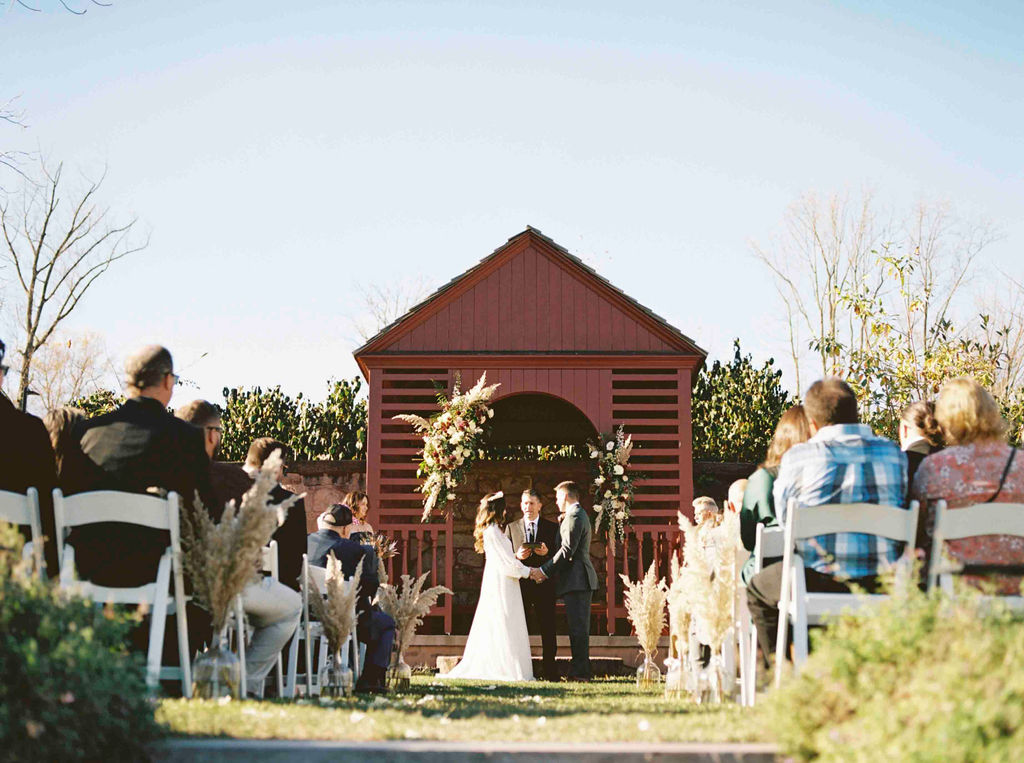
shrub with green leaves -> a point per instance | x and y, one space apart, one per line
69 688
736 407
925 678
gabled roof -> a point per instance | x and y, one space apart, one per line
422 311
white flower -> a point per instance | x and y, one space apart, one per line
607 493
467 452
620 515
490 413
456 437
625 479
480 453
599 481
451 497
594 453
610 446
618 469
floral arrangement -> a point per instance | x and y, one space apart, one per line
221 558
337 613
452 440
408 607
645 607
386 549
612 487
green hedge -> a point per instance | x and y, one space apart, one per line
69 688
925 679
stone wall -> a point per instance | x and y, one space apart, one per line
324 483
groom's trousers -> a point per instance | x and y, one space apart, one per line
577 612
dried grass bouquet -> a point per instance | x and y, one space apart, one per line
645 607
222 558
408 607
386 549
338 613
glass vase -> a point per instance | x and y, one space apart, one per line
216 672
648 674
335 678
399 674
674 678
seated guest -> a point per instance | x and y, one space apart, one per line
272 608
758 503
291 535
977 466
359 503
375 628
75 472
26 460
136 448
920 435
843 462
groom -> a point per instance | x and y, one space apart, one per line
576 577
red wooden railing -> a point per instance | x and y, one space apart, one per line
632 557
425 548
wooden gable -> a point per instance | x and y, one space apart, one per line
530 296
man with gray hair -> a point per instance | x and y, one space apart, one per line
136 448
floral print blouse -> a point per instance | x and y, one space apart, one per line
965 475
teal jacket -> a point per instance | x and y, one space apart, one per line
758 508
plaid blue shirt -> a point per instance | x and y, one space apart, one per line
843 463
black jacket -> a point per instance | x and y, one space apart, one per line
26 460
136 447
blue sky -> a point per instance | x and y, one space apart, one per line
281 155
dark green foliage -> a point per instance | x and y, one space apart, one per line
332 429
925 678
99 402
735 409
69 689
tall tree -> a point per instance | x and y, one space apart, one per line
57 250
842 260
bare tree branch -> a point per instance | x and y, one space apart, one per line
58 252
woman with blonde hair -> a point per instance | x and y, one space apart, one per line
498 646
758 503
977 466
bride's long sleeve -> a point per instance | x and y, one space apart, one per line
499 551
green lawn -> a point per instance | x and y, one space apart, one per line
604 710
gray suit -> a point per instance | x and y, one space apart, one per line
576 583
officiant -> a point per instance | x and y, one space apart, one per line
535 540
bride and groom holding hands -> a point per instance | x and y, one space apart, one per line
534 561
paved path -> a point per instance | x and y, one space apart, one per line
455 752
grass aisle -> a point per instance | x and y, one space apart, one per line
602 711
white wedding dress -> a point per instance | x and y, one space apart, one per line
498 647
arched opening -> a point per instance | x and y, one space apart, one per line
527 421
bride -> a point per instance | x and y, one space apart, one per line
498 647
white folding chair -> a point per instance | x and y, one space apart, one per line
311 631
236 623
21 509
796 604
145 511
971 522
768 544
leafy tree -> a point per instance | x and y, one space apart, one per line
736 406
99 402
332 429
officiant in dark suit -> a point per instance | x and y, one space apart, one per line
535 540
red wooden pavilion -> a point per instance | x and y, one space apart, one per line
548 327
